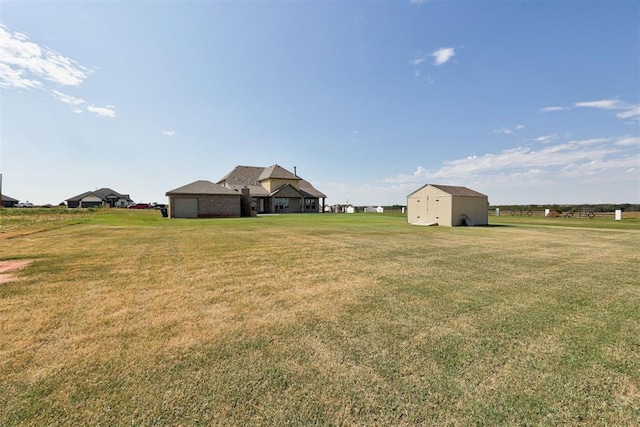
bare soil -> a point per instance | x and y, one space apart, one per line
9 266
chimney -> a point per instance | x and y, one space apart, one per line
294 171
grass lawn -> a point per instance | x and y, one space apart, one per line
125 317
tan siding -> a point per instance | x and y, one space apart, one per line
272 185
475 208
431 205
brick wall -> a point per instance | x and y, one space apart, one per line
219 206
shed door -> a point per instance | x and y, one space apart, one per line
185 208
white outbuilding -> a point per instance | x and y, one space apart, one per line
447 205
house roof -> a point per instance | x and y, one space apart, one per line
286 190
203 187
453 190
277 172
102 193
307 189
6 198
250 176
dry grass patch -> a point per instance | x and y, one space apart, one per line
330 319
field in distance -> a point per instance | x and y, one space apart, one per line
124 317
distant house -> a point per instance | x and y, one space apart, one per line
371 209
349 209
447 205
8 202
104 197
204 199
275 190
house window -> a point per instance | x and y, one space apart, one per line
310 204
281 204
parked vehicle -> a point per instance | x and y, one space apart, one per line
24 205
139 206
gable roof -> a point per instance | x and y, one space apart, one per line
102 193
276 172
453 190
309 190
251 176
6 198
203 187
286 190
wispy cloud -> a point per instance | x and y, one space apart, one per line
628 111
27 65
549 109
168 132
24 64
508 130
67 99
417 1
545 138
102 111
632 112
443 55
572 159
108 111
605 104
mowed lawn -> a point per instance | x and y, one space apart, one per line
124 317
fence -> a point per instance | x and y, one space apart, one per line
581 213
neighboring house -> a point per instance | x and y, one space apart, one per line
370 209
204 199
349 209
275 190
104 197
8 202
380 209
447 205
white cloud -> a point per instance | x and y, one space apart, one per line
508 131
168 132
578 158
633 140
545 138
443 55
632 112
417 1
68 99
102 111
549 109
24 64
605 104
418 61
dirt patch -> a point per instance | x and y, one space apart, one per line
9 266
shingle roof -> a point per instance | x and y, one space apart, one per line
453 190
276 172
306 187
102 193
250 176
203 187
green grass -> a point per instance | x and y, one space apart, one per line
125 317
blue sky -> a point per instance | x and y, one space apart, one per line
526 101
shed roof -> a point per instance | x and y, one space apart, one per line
203 187
453 190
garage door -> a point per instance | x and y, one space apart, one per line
185 208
